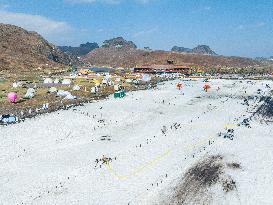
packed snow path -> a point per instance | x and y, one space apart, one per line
130 150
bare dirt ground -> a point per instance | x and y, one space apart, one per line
196 182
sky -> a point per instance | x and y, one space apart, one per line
229 27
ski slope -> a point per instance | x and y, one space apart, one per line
152 137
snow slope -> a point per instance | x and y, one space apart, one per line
152 137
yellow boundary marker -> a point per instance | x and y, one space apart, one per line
152 162
230 125
139 169
159 158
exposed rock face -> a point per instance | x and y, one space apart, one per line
83 49
25 50
118 42
203 49
181 49
200 49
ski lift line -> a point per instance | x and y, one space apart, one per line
154 161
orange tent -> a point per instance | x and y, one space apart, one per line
206 87
179 86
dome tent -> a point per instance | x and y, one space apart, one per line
48 81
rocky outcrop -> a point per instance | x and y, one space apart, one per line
203 49
118 42
83 49
200 49
181 49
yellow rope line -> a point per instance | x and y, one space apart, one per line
160 157
152 162
140 169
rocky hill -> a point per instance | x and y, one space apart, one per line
181 49
25 50
129 56
119 43
200 49
83 49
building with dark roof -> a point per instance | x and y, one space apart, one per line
155 69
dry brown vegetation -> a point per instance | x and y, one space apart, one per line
21 50
130 57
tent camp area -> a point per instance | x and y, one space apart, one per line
166 145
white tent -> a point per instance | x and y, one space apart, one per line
56 81
66 94
30 93
48 81
70 97
63 93
146 77
52 90
17 84
108 76
76 87
104 81
66 82
128 81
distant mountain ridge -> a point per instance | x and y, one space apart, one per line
264 59
118 52
181 49
200 49
28 51
81 50
22 49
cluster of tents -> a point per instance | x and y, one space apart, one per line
57 81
